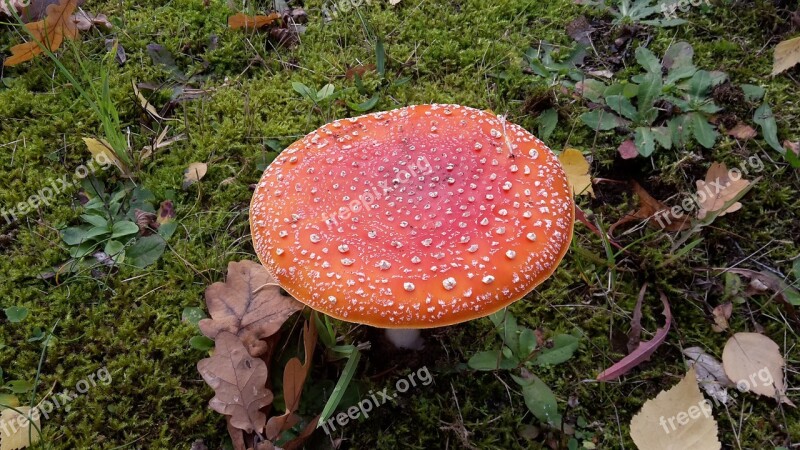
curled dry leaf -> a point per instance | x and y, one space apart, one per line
753 362
49 33
656 213
719 187
577 168
102 151
785 293
84 21
787 54
742 131
240 20
677 418
721 315
294 377
194 173
248 304
239 382
643 351
710 374
16 5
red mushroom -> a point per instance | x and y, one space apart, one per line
419 217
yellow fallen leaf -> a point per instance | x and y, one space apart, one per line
577 169
720 186
787 54
147 106
194 173
678 418
14 435
104 154
754 363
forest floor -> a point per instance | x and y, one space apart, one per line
226 96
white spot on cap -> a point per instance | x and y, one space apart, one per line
344 248
315 238
488 279
384 264
409 286
449 283
531 237
511 254
347 262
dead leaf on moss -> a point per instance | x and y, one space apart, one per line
49 33
577 168
721 315
656 213
677 418
786 56
241 20
12 438
84 21
742 131
102 150
239 382
249 304
294 378
754 363
710 374
719 187
194 173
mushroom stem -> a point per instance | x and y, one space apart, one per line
408 338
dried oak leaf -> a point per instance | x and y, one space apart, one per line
240 20
719 188
294 377
49 33
239 382
248 304
658 214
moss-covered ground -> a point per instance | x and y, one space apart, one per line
468 52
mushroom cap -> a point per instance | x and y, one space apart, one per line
422 216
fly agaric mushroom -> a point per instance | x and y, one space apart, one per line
419 217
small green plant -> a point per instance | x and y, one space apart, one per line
382 87
668 105
559 67
637 11
120 227
521 351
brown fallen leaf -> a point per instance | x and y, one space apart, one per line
721 315
48 33
753 362
742 131
762 281
84 21
719 187
194 173
358 70
678 418
249 304
643 351
103 153
239 382
656 213
294 377
787 54
241 20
